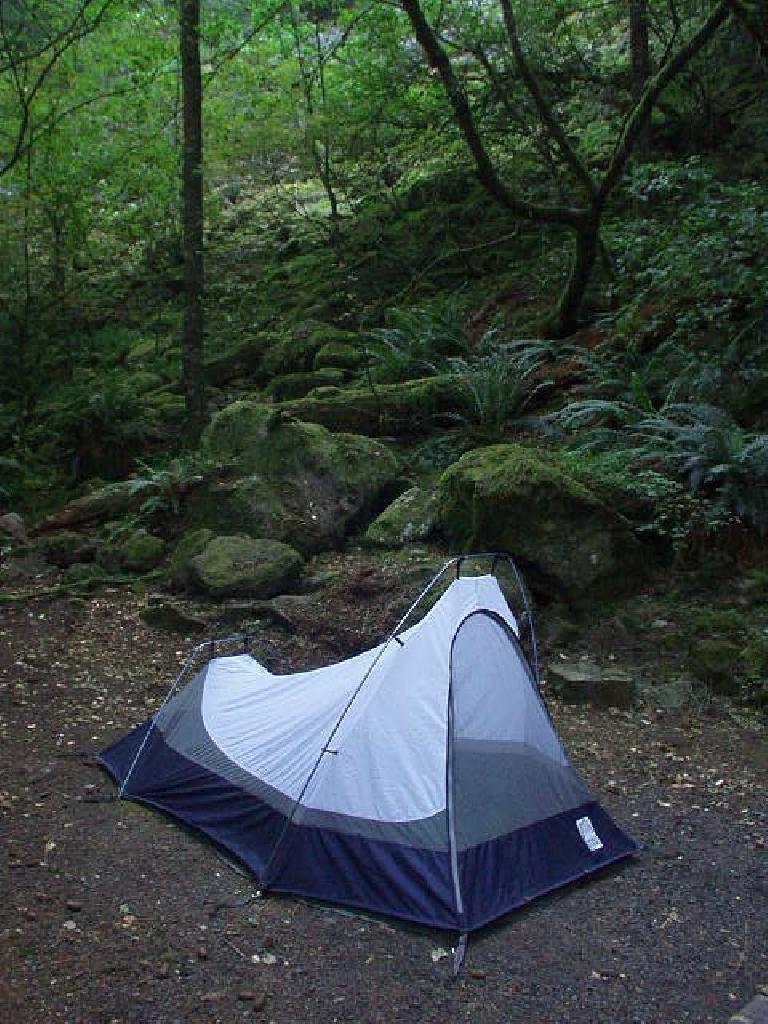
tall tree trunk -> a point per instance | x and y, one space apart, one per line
640 66
192 218
586 249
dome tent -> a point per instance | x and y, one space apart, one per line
421 779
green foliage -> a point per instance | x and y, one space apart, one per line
418 341
696 259
11 475
167 484
697 444
704 446
499 391
96 426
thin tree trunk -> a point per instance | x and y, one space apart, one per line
640 67
192 219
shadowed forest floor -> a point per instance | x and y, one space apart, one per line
113 913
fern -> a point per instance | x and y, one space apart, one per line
499 391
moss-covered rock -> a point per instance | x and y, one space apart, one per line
99 505
134 551
512 498
67 548
239 566
412 407
411 517
245 504
243 362
300 483
339 355
165 411
297 385
145 381
190 544
296 351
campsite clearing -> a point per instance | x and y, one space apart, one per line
113 913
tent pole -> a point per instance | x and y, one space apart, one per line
211 645
529 615
174 686
392 638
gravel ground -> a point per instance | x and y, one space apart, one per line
113 913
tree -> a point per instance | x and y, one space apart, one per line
192 218
640 63
590 190
32 43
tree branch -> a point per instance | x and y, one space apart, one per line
457 97
548 119
656 85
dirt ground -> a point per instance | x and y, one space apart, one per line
111 913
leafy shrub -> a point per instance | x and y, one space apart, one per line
703 445
11 475
698 254
96 426
698 444
166 485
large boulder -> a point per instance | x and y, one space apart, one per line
131 551
239 504
410 518
511 497
296 482
239 566
190 544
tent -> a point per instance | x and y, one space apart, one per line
421 779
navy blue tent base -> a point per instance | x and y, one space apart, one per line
380 877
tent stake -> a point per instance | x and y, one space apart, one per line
459 952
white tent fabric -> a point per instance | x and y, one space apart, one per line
276 726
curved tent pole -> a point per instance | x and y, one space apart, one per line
528 612
504 556
326 748
392 638
211 645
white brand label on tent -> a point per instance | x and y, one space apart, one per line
588 834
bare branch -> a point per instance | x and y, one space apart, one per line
486 172
548 119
